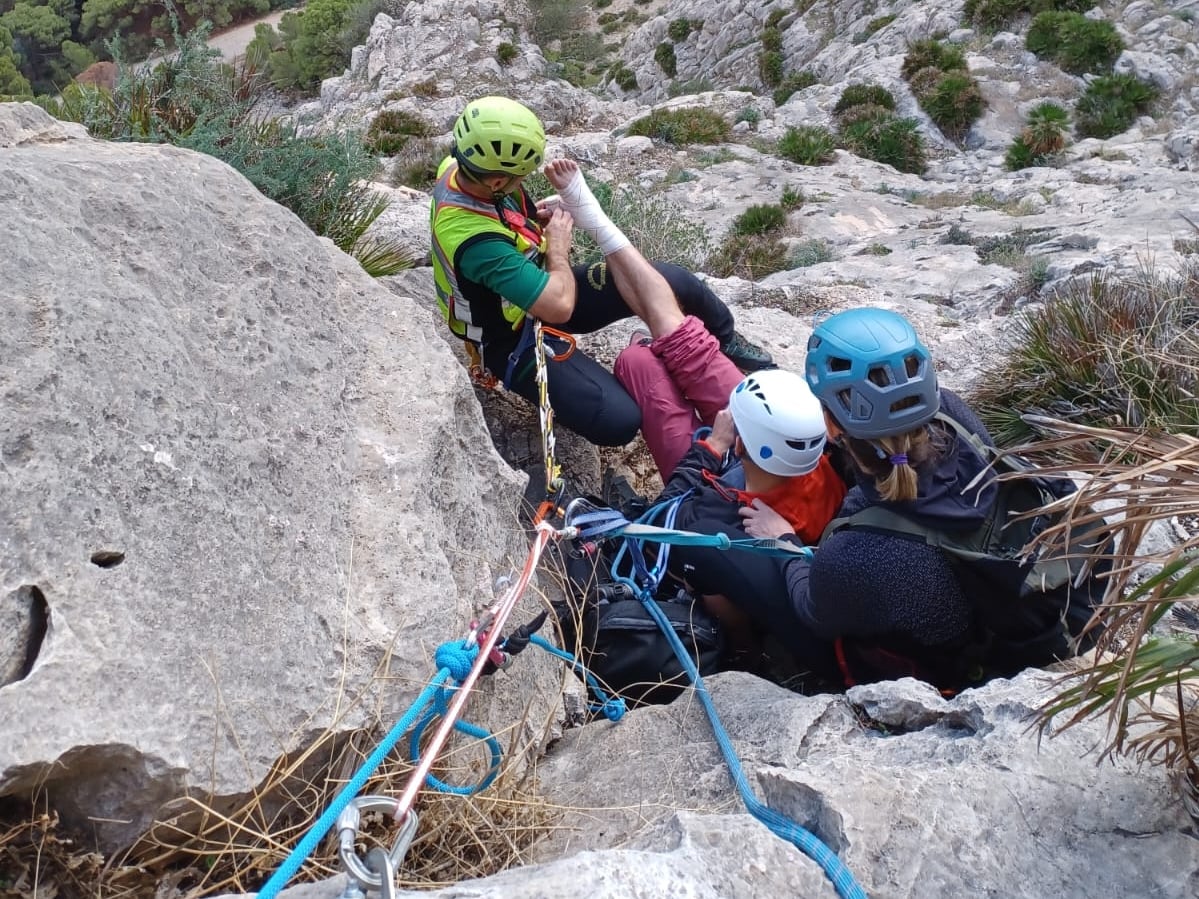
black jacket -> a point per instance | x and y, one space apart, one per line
893 602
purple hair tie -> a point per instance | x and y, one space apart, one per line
899 459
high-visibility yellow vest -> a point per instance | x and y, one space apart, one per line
455 217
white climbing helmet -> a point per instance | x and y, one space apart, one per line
780 422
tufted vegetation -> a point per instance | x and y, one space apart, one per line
1078 44
938 76
1111 104
693 125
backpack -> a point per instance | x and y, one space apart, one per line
610 631
1029 609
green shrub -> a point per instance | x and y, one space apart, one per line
391 129
661 229
930 53
679 29
776 16
807 145
993 15
924 80
1076 43
1020 156
693 125
1111 104
876 25
1046 129
792 198
751 257
750 114
954 104
770 68
664 57
812 252
892 141
760 219
864 94
866 112
601 4
554 20
1110 351
792 82
415 165
772 39
625 78
506 52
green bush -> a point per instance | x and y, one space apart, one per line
1020 156
1111 104
1076 43
693 125
772 39
506 52
776 16
554 20
415 164
679 29
391 129
863 94
750 114
770 68
892 141
930 53
1046 129
792 82
866 112
761 219
751 257
812 252
993 15
196 102
1106 352
664 57
807 145
625 78
792 198
873 27
954 104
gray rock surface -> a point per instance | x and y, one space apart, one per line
252 485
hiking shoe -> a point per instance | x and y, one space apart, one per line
746 355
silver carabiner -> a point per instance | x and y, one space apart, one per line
347 832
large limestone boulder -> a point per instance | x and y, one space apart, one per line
245 491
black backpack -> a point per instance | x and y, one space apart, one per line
608 628
1030 610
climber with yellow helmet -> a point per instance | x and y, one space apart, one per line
499 258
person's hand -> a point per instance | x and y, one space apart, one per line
558 231
546 207
759 520
723 433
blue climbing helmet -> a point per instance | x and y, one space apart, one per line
779 421
872 372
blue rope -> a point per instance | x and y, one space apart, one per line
472 730
779 824
353 787
611 707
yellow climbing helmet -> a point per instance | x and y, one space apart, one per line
498 136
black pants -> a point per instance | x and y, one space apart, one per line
586 397
755 583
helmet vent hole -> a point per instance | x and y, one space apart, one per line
880 375
837 363
912 365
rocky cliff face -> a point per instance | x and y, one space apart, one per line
240 482
242 485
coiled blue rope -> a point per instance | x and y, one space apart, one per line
454 660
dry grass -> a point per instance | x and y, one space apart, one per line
1143 676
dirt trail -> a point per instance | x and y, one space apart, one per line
232 42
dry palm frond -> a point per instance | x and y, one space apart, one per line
1146 682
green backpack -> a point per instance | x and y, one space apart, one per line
1029 609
